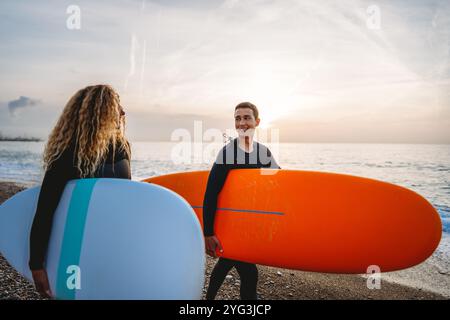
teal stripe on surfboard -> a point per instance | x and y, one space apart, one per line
73 235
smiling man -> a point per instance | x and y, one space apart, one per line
240 153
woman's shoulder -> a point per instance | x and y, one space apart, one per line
117 152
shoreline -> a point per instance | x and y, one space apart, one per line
276 283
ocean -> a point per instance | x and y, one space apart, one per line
423 168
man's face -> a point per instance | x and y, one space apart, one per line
245 122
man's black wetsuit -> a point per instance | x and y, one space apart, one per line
232 157
116 165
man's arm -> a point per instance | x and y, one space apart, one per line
216 180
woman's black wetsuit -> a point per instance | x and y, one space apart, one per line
116 165
232 157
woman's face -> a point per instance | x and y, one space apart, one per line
121 115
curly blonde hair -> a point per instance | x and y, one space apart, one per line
92 120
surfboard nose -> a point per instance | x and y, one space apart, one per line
15 225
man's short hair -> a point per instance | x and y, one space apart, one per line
248 105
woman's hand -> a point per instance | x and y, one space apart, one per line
211 244
41 282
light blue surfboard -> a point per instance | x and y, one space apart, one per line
111 239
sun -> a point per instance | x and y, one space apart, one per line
268 117
273 100
265 83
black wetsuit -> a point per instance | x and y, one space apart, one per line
232 157
116 165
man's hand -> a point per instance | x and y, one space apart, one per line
211 244
41 282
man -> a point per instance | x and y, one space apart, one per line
240 153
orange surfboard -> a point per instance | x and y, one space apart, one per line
315 221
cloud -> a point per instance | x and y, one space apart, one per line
22 102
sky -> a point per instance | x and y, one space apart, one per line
319 71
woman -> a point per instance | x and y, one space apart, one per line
87 141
